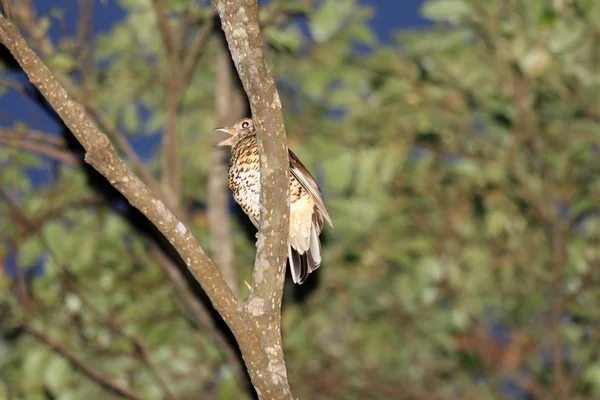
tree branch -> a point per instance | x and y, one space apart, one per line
240 23
42 143
23 13
168 37
194 49
558 248
54 153
6 8
170 150
80 365
84 43
218 192
33 135
102 156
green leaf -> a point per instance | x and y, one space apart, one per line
445 10
29 252
288 38
328 19
62 61
57 373
131 117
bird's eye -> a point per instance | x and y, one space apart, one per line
245 124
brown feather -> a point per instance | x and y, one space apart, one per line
307 211
308 182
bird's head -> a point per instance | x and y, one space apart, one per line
241 129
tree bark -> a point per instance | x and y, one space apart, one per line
101 155
240 22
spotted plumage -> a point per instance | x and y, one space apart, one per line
307 211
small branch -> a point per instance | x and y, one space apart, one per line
80 365
83 42
218 192
170 150
37 222
169 39
195 47
31 134
240 22
23 13
102 156
54 153
6 8
558 246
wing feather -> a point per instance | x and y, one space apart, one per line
309 184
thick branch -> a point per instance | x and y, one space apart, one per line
239 20
101 155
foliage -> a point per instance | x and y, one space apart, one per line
460 168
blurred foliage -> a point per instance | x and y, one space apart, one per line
460 168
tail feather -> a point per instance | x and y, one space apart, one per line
303 264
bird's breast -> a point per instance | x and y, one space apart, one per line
244 179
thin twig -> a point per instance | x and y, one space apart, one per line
83 42
6 8
558 247
171 165
168 37
24 14
32 135
54 153
195 47
81 365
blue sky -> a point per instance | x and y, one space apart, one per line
390 16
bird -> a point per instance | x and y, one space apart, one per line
307 210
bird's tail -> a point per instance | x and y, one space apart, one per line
303 264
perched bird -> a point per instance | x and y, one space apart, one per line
307 211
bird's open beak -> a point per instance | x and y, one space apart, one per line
228 141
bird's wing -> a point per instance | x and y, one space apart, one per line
308 182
